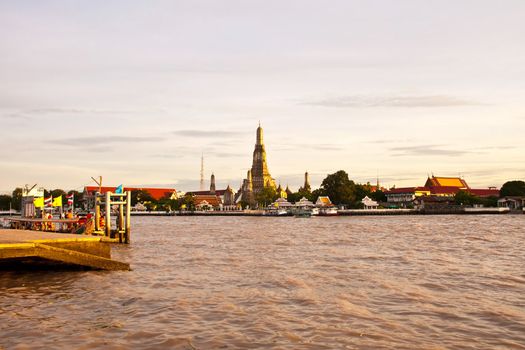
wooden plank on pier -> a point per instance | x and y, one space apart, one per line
73 249
77 258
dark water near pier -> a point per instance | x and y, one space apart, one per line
432 282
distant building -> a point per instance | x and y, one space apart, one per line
323 201
405 196
304 203
245 194
281 193
155 193
207 202
453 182
281 203
512 202
258 177
288 192
261 177
228 199
306 186
369 203
224 198
435 187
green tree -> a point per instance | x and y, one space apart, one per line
512 188
304 193
465 198
168 204
5 201
187 202
317 193
266 196
378 196
140 196
361 191
293 197
491 201
17 198
57 193
339 188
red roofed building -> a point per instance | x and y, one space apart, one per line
455 182
224 199
484 193
206 202
436 187
403 197
155 193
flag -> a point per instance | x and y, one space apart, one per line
57 202
38 202
119 189
70 199
48 201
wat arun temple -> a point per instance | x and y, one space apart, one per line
258 177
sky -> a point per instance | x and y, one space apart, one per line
137 91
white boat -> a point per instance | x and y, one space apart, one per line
282 212
330 211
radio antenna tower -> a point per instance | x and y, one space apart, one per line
202 173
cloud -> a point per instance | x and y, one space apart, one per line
391 101
15 118
426 150
207 155
61 110
313 147
207 133
58 112
104 140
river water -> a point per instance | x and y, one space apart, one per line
404 282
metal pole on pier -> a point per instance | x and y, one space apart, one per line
108 214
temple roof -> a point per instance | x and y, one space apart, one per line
324 201
446 182
212 200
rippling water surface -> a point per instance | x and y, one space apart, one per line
431 282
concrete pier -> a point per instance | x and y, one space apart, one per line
22 247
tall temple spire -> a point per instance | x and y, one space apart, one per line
306 182
260 140
212 184
261 177
250 180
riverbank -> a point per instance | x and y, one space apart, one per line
353 212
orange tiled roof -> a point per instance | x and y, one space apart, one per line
212 200
156 193
325 200
435 181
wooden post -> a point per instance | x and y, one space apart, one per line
97 212
120 226
128 217
108 214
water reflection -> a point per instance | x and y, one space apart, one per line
356 282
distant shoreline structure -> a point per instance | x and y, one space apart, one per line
342 212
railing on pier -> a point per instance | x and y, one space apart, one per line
123 220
